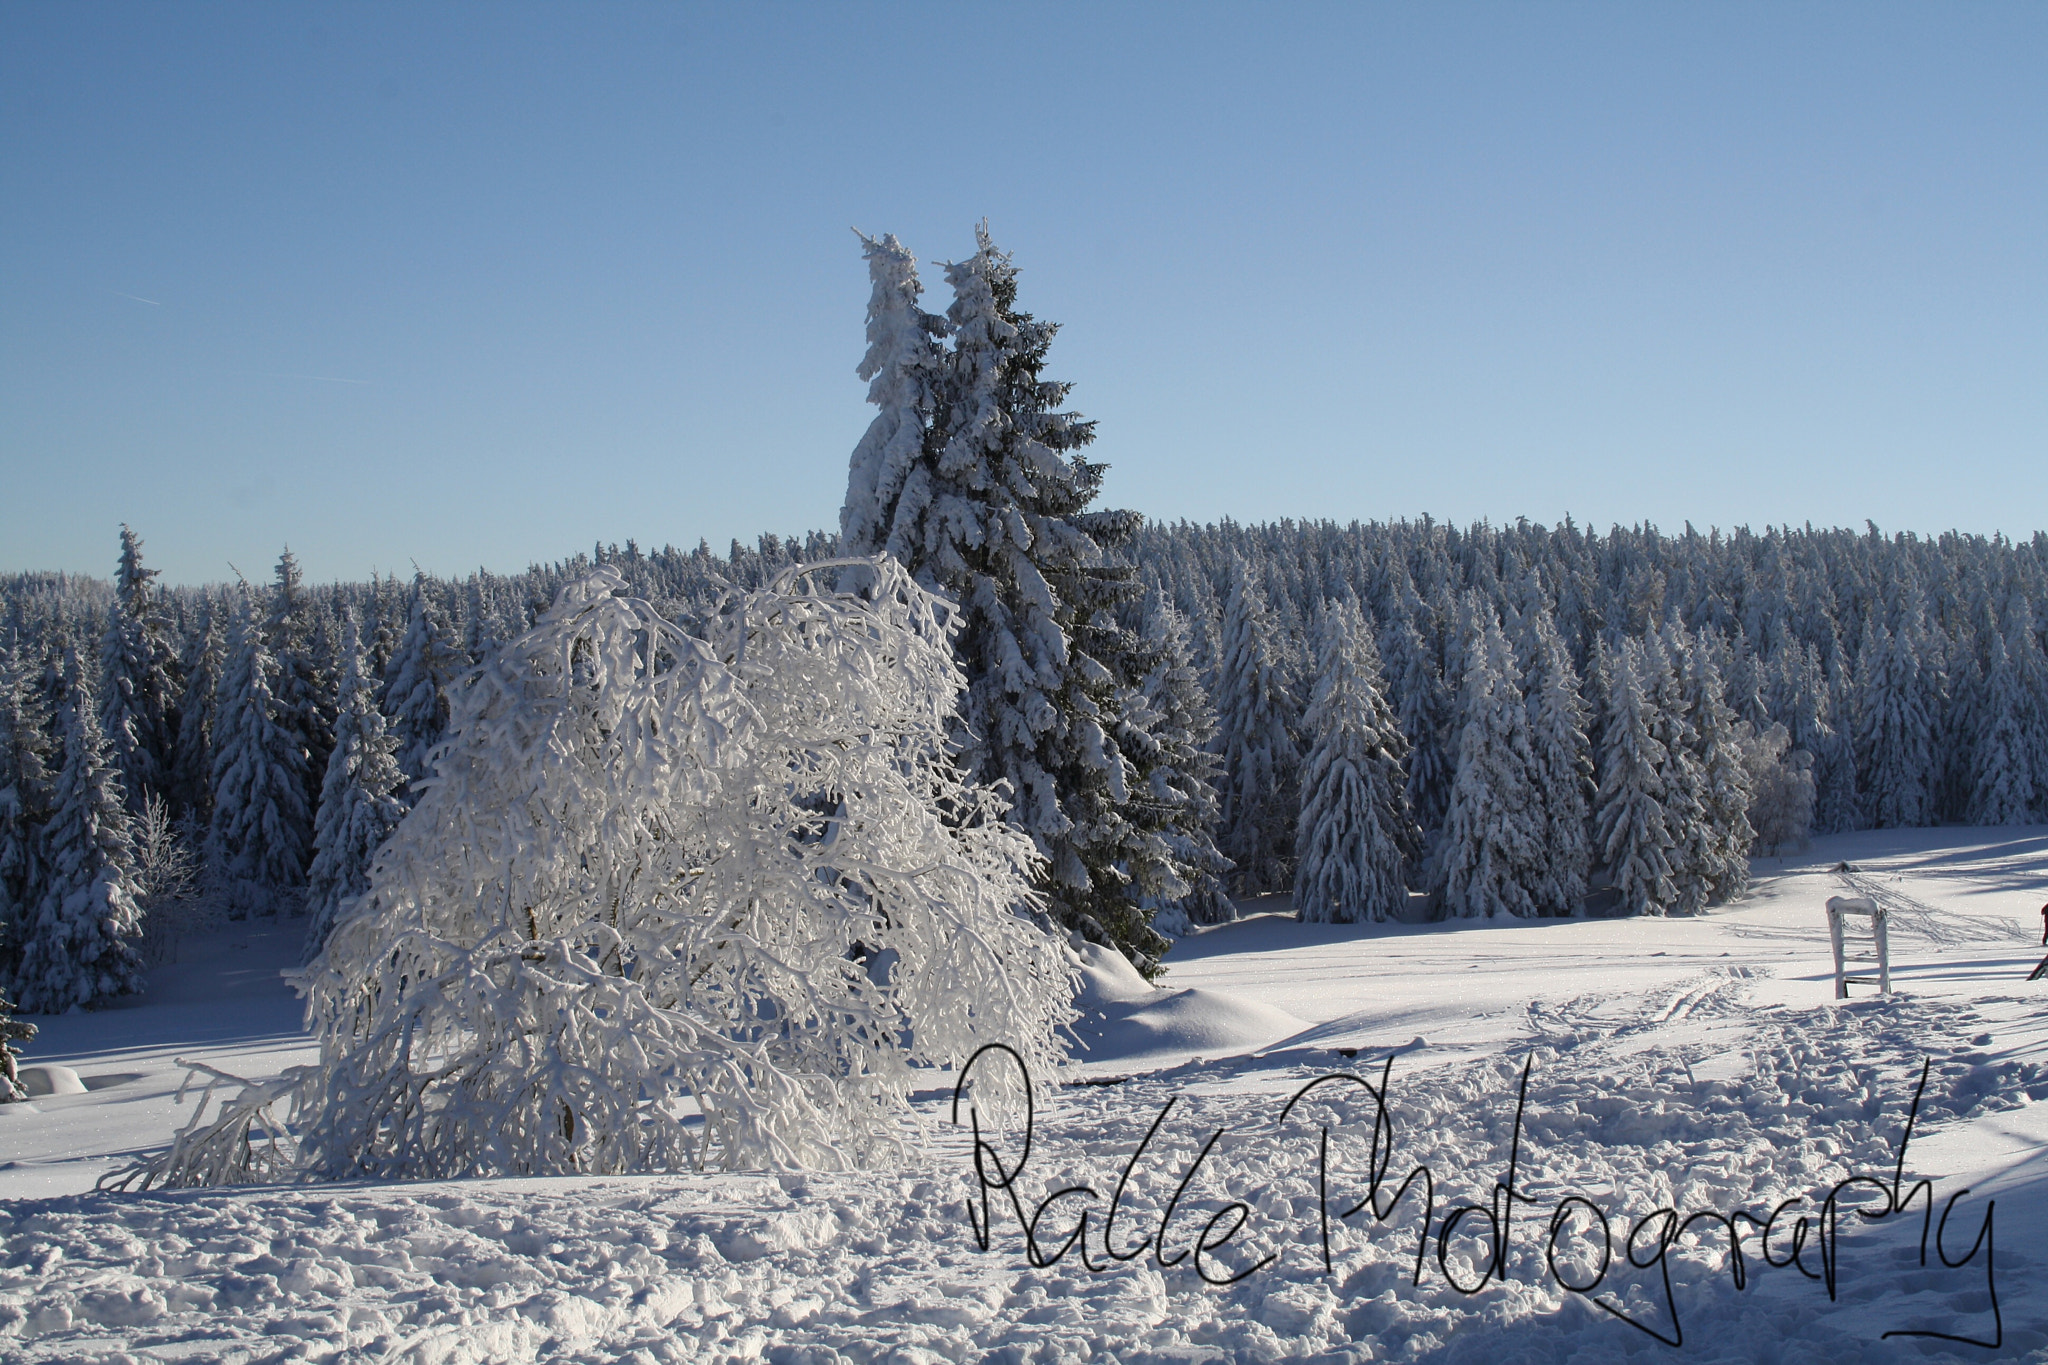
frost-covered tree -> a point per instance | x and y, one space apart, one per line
359 806
2003 793
1724 836
12 1031
203 661
1356 842
26 762
903 367
673 903
1261 765
1781 788
1491 860
1799 700
415 687
1185 771
2024 647
78 947
301 693
480 626
1894 730
1561 767
1426 708
1684 786
1632 837
262 832
139 684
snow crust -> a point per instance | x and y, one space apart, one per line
1689 1063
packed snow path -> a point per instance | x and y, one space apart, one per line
1712 1088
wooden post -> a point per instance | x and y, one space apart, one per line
1880 942
1835 934
1884 951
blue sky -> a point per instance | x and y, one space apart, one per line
478 285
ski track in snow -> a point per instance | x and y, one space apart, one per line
1703 1092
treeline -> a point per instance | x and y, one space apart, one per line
1675 688
1542 715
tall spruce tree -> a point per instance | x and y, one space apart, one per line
301 691
1492 859
1356 843
1720 740
1631 834
1683 777
1261 765
904 365
1186 770
27 760
78 948
139 684
261 836
1894 730
358 803
2030 673
415 688
204 658
1426 708
992 514
1562 765
2003 793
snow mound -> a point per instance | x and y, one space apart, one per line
1126 1018
51 1080
1107 977
1211 1023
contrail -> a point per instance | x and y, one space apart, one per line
154 303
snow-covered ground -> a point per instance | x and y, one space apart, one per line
1699 1064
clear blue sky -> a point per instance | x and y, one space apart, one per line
480 284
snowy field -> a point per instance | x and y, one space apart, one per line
1691 1064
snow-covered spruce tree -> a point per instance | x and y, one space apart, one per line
26 760
1725 834
1562 767
204 660
1261 764
1630 834
1799 701
1894 730
992 515
1184 770
358 803
78 947
1838 797
2030 671
301 691
2004 790
671 903
1426 708
1492 857
1683 777
480 627
1781 788
12 1031
415 687
903 367
1356 843
139 683
262 832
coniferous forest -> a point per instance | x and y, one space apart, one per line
1386 718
